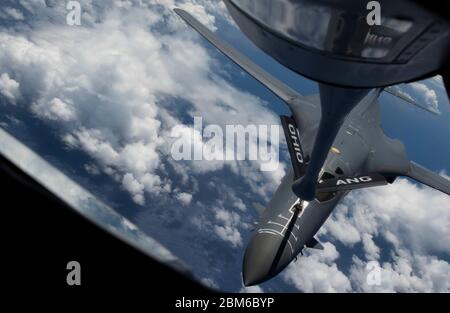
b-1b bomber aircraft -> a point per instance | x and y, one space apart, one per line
335 140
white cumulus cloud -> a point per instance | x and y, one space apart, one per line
316 271
55 109
184 197
108 83
9 88
427 94
228 226
414 223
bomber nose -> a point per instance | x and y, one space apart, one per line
266 255
252 276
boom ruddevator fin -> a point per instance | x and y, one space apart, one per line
415 171
346 183
292 135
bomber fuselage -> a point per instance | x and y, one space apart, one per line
285 227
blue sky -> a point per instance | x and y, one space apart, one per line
101 101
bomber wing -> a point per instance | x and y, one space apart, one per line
397 92
304 111
429 178
390 160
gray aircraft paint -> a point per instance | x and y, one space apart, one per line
360 129
359 148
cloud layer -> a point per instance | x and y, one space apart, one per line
407 222
109 84
133 76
